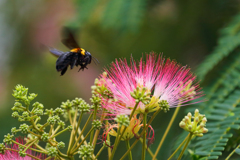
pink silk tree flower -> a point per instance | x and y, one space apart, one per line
11 153
156 79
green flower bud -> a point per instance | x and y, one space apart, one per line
97 124
14 130
197 126
49 112
15 115
61 124
67 105
85 151
45 137
70 128
2 148
84 107
196 119
21 153
189 115
122 120
51 120
182 124
38 105
204 120
24 128
8 139
32 96
163 104
77 101
52 151
25 114
196 113
38 112
61 145
189 127
58 111
95 100
141 95
205 130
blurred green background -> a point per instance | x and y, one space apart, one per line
183 30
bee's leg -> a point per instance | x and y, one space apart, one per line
73 63
64 70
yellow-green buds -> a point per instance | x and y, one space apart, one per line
197 126
85 151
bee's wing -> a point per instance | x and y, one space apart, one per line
55 52
68 38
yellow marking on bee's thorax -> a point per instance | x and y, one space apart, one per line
83 51
76 50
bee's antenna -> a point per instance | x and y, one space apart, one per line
95 60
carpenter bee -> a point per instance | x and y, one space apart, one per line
76 56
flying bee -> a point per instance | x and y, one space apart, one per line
76 56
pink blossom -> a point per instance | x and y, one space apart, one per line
164 79
11 152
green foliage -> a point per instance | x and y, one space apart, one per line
227 43
120 15
222 107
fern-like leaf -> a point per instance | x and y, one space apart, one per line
229 41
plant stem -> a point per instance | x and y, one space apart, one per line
73 132
94 118
99 152
185 146
59 133
33 149
180 146
149 151
166 131
232 153
116 142
74 149
29 145
79 137
29 155
124 129
134 109
98 130
135 142
144 136
128 146
108 138
58 127
40 148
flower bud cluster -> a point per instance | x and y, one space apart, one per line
141 95
85 151
8 139
197 126
67 105
20 93
2 148
96 124
22 153
84 107
99 87
52 151
163 104
122 120
61 145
